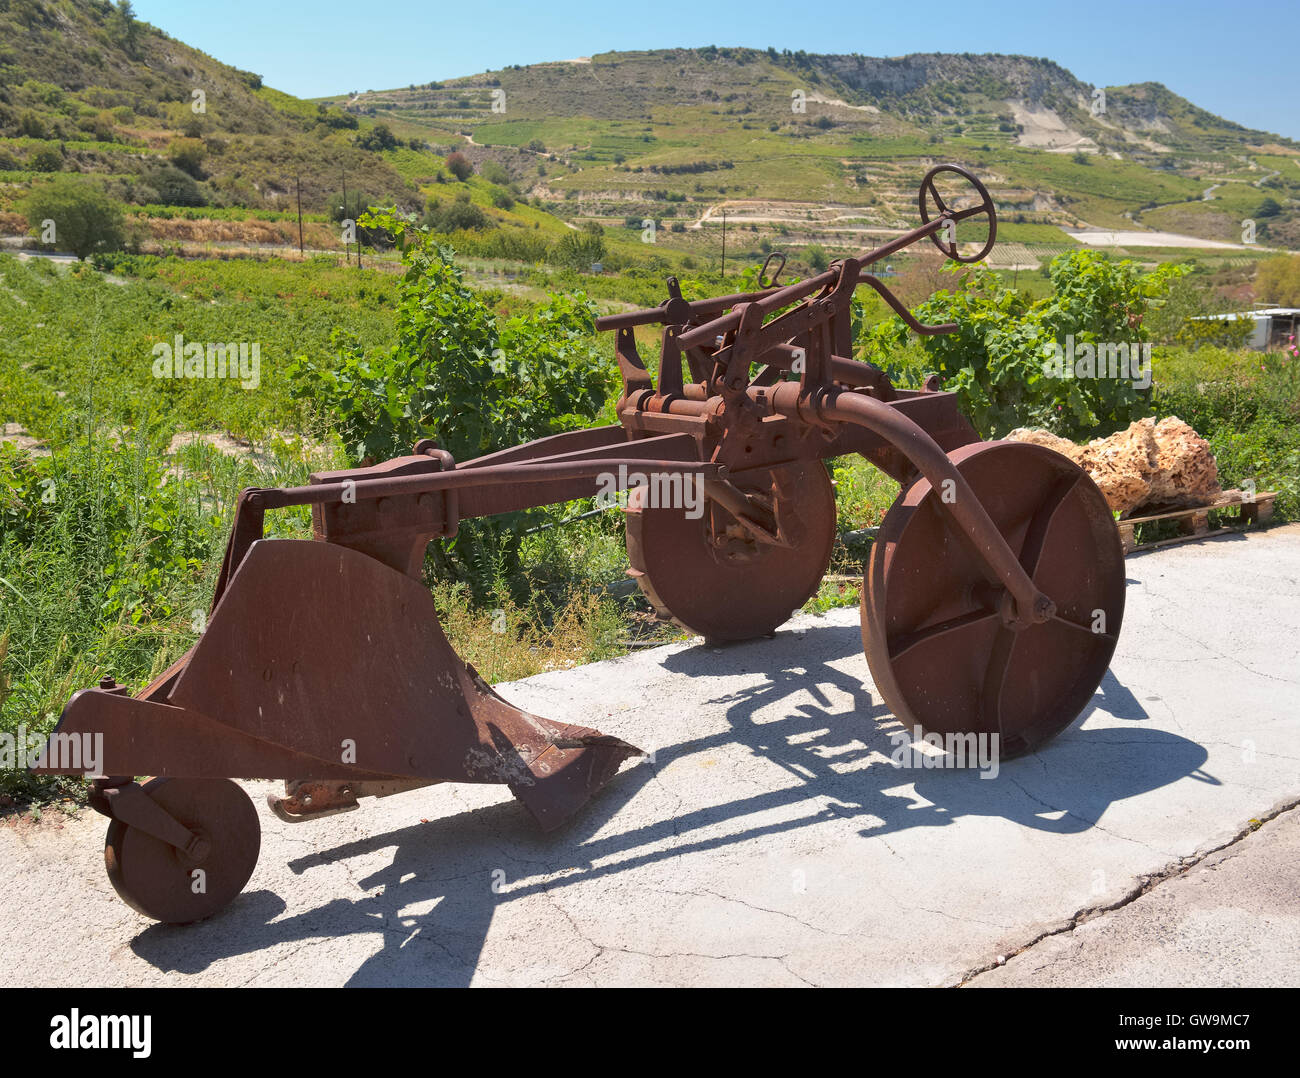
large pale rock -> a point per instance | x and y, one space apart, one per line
1149 465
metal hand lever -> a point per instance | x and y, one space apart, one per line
903 312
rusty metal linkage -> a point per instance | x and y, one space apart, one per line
991 604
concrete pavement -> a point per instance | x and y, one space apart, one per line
1231 920
771 842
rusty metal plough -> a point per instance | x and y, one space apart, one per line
991 603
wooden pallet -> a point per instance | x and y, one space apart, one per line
1194 522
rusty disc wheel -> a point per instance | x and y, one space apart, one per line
712 578
938 648
160 881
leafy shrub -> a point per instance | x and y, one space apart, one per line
46 160
1183 317
1197 332
126 265
998 359
30 125
495 172
460 214
335 118
172 187
459 373
1247 406
577 250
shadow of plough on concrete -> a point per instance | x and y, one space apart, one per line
836 757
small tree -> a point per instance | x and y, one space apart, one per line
31 125
379 137
125 30
459 372
85 219
46 160
458 165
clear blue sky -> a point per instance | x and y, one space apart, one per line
1237 59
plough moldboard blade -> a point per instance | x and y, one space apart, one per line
322 663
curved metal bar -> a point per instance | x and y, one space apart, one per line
903 312
763 282
962 506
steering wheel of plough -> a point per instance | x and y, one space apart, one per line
946 239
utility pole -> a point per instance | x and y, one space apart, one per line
298 191
347 250
724 243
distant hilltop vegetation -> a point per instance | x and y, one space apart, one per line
618 133
806 149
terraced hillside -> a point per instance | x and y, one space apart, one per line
829 149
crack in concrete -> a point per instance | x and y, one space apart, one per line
703 891
1230 658
602 949
779 959
954 917
1143 885
1083 819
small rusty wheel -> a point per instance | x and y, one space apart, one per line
164 883
712 578
938 648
